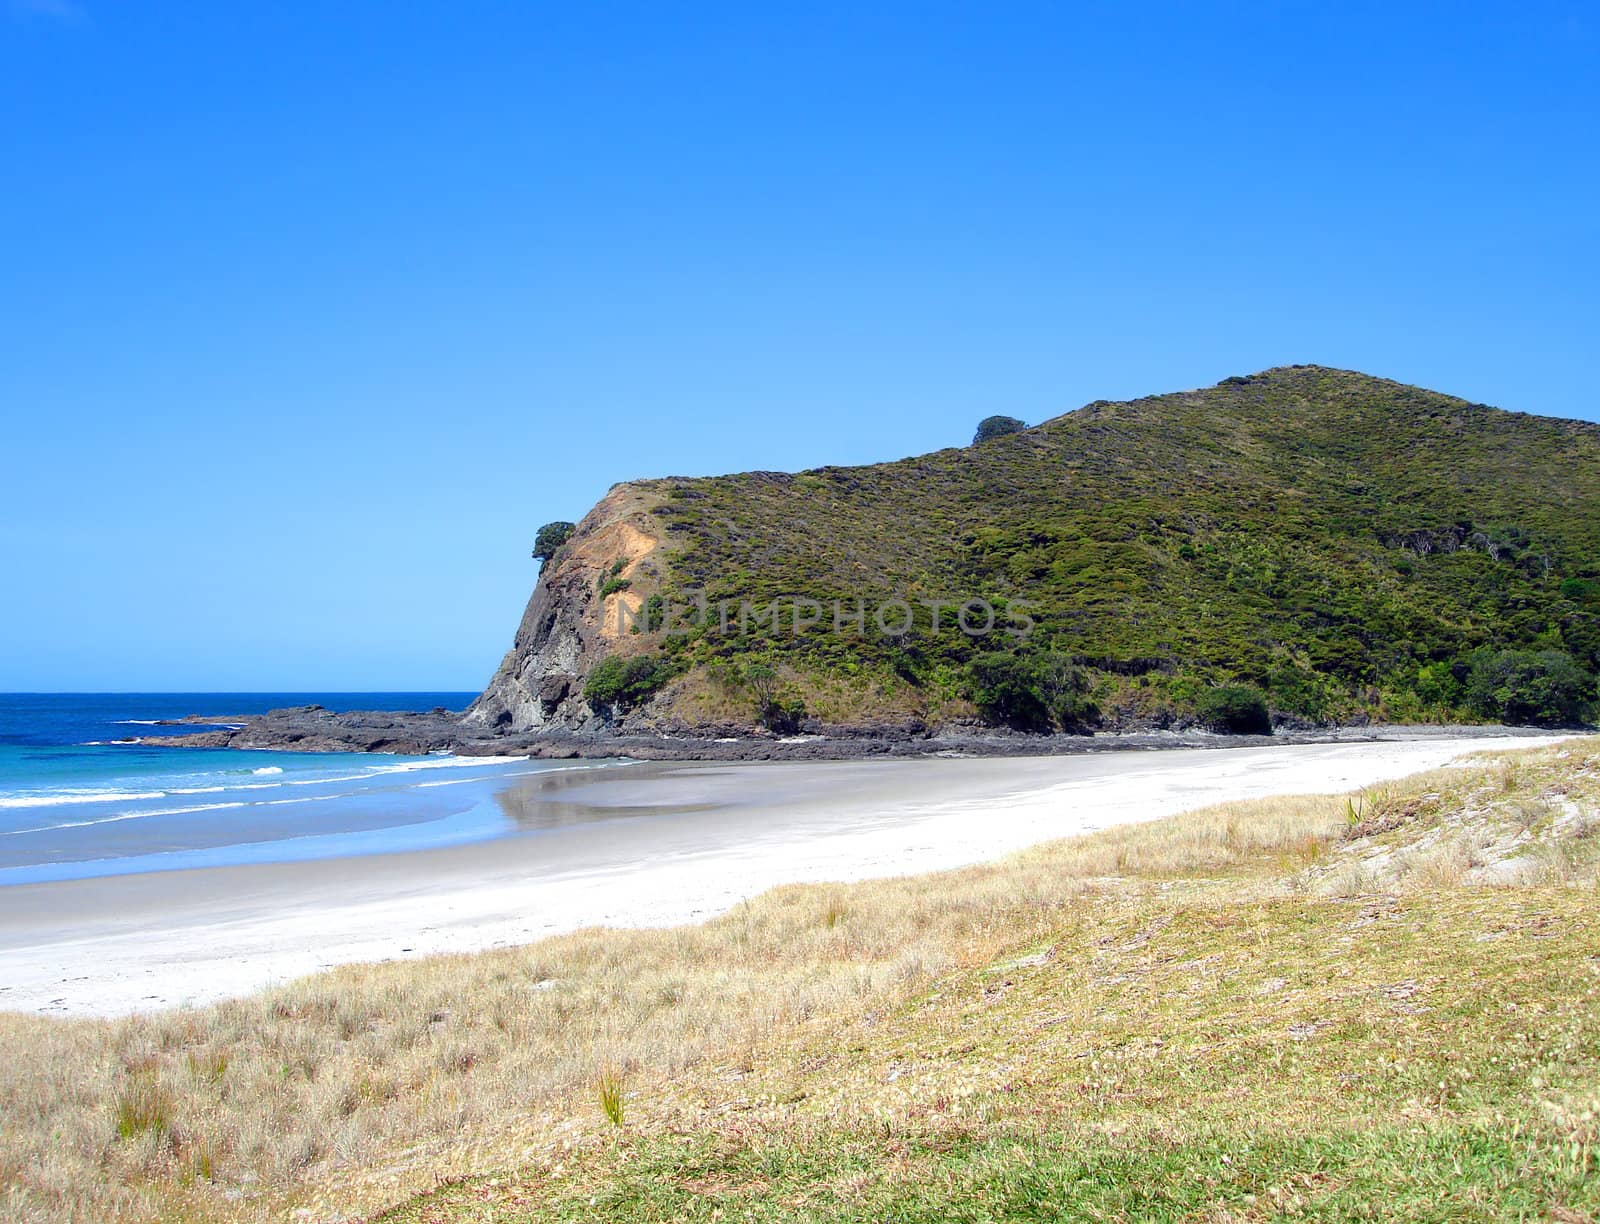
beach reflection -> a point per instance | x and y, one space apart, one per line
563 799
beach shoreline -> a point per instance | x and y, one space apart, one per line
644 845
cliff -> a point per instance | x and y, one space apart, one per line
571 621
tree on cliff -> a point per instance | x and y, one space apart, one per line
551 537
997 427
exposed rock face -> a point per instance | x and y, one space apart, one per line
569 625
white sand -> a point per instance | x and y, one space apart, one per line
719 834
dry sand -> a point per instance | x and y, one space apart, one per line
640 845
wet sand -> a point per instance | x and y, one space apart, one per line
638 845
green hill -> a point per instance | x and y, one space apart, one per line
1347 546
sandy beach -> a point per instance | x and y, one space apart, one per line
637 845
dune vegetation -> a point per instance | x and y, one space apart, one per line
1380 1004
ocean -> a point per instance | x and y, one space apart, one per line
76 803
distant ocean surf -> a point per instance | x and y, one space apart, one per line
74 803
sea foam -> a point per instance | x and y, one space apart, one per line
64 797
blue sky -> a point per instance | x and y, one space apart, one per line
311 314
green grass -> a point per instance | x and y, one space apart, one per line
609 1091
1341 542
143 1106
1444 1173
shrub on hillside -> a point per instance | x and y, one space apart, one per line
776 709
1030 692
1533 687
1061 687
1580 588
623 683
1438 685
1295 689
1002 689
997 427
1237 709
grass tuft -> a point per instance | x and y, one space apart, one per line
143 1106
608 1089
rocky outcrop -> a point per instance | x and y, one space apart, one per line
314 728
588 596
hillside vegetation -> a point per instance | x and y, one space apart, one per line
1344 546
1381 1006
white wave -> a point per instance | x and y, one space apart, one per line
77 796
372 772
405 767
183 811
167 722
121 816
213 790
323 781
445 762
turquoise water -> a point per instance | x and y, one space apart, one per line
74 803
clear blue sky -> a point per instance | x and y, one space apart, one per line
313 313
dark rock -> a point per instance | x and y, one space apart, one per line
553 689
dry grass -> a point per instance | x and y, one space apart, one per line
347 1091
